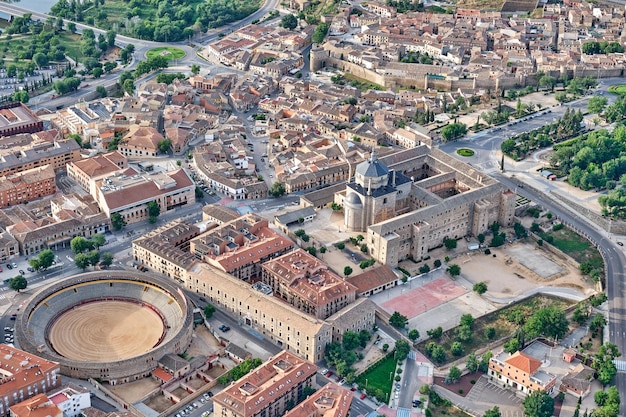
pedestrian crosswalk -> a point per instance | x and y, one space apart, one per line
412 355
403 412
620 365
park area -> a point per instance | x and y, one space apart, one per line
378 379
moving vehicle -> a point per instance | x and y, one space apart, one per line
224 328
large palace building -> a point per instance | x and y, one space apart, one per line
410 210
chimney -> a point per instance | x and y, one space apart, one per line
393 178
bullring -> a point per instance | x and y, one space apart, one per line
110 325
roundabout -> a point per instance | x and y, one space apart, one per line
111 325
170 52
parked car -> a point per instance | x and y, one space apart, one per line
224 328
323 371
9 266
363 396
29 269
620 243
14 265
22 272
329 374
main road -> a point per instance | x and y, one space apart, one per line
485 146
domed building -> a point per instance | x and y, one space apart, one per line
372 195
416 199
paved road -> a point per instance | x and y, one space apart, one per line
486 145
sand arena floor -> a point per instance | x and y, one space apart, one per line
106 331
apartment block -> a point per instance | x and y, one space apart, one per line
38 406
23 376
305 282
87 172
331 400
240 246
521 372
23 152
267 390
71 399
25 186
128 193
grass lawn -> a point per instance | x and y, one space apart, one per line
170 52
576 246
72 45
377 378
465 152
618 89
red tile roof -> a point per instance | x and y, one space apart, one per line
524 362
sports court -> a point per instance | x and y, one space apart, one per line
412 302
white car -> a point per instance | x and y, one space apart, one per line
324 371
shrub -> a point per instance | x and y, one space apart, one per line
341 245
487 251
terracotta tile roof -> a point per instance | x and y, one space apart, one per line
145 190
162 375
100 164
524 362
37 406
373 278
329 401
143 137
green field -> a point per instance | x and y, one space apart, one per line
618 89
167 51
377 378
465 152
579 248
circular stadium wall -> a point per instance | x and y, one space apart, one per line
110 325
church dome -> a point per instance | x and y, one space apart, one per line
372 168
353 199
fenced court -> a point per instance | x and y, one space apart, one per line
412 302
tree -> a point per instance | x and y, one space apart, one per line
117 221
538 404
511 346
81 260
449 243
493 412
413 334
364 337
454 270
40 59
153 209
195 69
129 87
438 354
93 257
110 38
603 362
320 33
347 271
453 131
350 340
289 21
437 263
18 283
480 287
464 333
398 320
277 189
208 311
79 245
597 104
467 320
435 333
107 260
164 145
456 349
471 363
101 90
402 350
98 240
548 322
43 260
490 332
71 27
454 375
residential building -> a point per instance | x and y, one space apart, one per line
240 246
9 246
166 249
24 376
129 192
521 372
268 390
577 382
71 399
87 172
38 406
16 118
331 400
23 152
219 214
282 324
70 216
305 282
25 186
140 142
